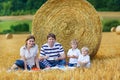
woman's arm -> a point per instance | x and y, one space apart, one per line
37 62
24 59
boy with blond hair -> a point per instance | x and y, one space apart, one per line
73 54
84 58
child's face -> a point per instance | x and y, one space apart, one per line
84 52
74 46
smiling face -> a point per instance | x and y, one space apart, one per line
73 45
84 52
51 41
30 42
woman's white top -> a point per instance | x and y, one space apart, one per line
75 52
29 55
85 58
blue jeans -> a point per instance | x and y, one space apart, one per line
20 64
59 62
51 63
43 64
72 65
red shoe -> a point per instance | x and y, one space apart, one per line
35 69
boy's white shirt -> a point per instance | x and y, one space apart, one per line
85 58
72 52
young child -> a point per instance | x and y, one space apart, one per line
73 54
84 58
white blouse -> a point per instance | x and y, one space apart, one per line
29 55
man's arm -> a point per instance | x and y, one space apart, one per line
62 56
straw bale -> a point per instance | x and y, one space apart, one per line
8 36
118 30
68 19
113 29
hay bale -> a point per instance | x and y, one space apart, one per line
118 30
113 29
68 19
8 36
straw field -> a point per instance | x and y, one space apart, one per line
105 65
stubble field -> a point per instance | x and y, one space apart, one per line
105 65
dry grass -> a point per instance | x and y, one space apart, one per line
105 65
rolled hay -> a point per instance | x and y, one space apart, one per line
113 29
68 19
8 36
118 30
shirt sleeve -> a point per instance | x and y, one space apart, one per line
61 50
68 54
79 57
42 51
78 53
36 50
22 53
87 59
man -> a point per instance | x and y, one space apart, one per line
52 53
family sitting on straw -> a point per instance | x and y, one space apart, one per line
51 55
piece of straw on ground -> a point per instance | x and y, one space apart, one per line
68 19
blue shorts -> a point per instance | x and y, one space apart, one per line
72 65
20 64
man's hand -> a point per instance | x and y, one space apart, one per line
45 57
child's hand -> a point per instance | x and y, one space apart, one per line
73 56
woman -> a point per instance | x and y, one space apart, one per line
28 54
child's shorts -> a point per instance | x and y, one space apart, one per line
72 65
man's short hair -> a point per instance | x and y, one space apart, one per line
51 35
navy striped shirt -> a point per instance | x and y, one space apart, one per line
53 52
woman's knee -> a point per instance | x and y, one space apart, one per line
20 63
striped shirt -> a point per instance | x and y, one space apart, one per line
53 52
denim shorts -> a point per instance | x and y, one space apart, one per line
72 65
20 64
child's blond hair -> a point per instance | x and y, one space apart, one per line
85 48
74 41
